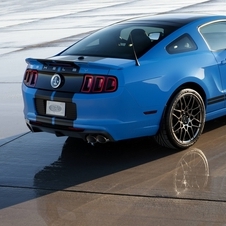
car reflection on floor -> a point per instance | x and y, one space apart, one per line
192 172
71 191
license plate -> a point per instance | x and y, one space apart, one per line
55 108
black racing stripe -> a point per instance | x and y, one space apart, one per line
40 103
71 111
63 122
215 100
42 96
43 119
61 96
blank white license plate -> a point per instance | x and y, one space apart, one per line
55 108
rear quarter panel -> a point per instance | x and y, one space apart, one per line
160 74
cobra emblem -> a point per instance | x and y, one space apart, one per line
55 81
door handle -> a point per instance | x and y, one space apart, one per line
223 61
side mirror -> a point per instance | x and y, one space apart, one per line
154 36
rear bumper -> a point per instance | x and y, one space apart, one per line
66 131
113 132
116 116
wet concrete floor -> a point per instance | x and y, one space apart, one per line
45 180
62 181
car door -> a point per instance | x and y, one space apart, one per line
215 37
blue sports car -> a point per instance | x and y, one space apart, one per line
161 76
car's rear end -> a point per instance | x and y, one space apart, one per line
95 89
81 99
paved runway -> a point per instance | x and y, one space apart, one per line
46 180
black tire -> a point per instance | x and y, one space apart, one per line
183 121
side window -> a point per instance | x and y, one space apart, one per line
215 35
182 44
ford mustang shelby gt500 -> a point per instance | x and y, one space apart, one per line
161 76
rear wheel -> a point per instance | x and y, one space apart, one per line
183 121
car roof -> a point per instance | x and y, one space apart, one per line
175 19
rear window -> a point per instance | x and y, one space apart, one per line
120 41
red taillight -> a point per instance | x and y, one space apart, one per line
111 84
99 84
30 77
87 84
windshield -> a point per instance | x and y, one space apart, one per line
120 41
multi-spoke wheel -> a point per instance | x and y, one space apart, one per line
183 121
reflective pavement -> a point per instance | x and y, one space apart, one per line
61 181
46 180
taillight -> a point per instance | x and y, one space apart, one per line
99 84
30 77
111 84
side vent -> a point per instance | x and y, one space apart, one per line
30 77
99 84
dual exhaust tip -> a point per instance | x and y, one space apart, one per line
96 139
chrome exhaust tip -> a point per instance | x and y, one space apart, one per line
91 139
101 139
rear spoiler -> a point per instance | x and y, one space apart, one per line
49 62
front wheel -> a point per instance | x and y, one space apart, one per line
183 121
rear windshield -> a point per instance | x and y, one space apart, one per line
120 41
